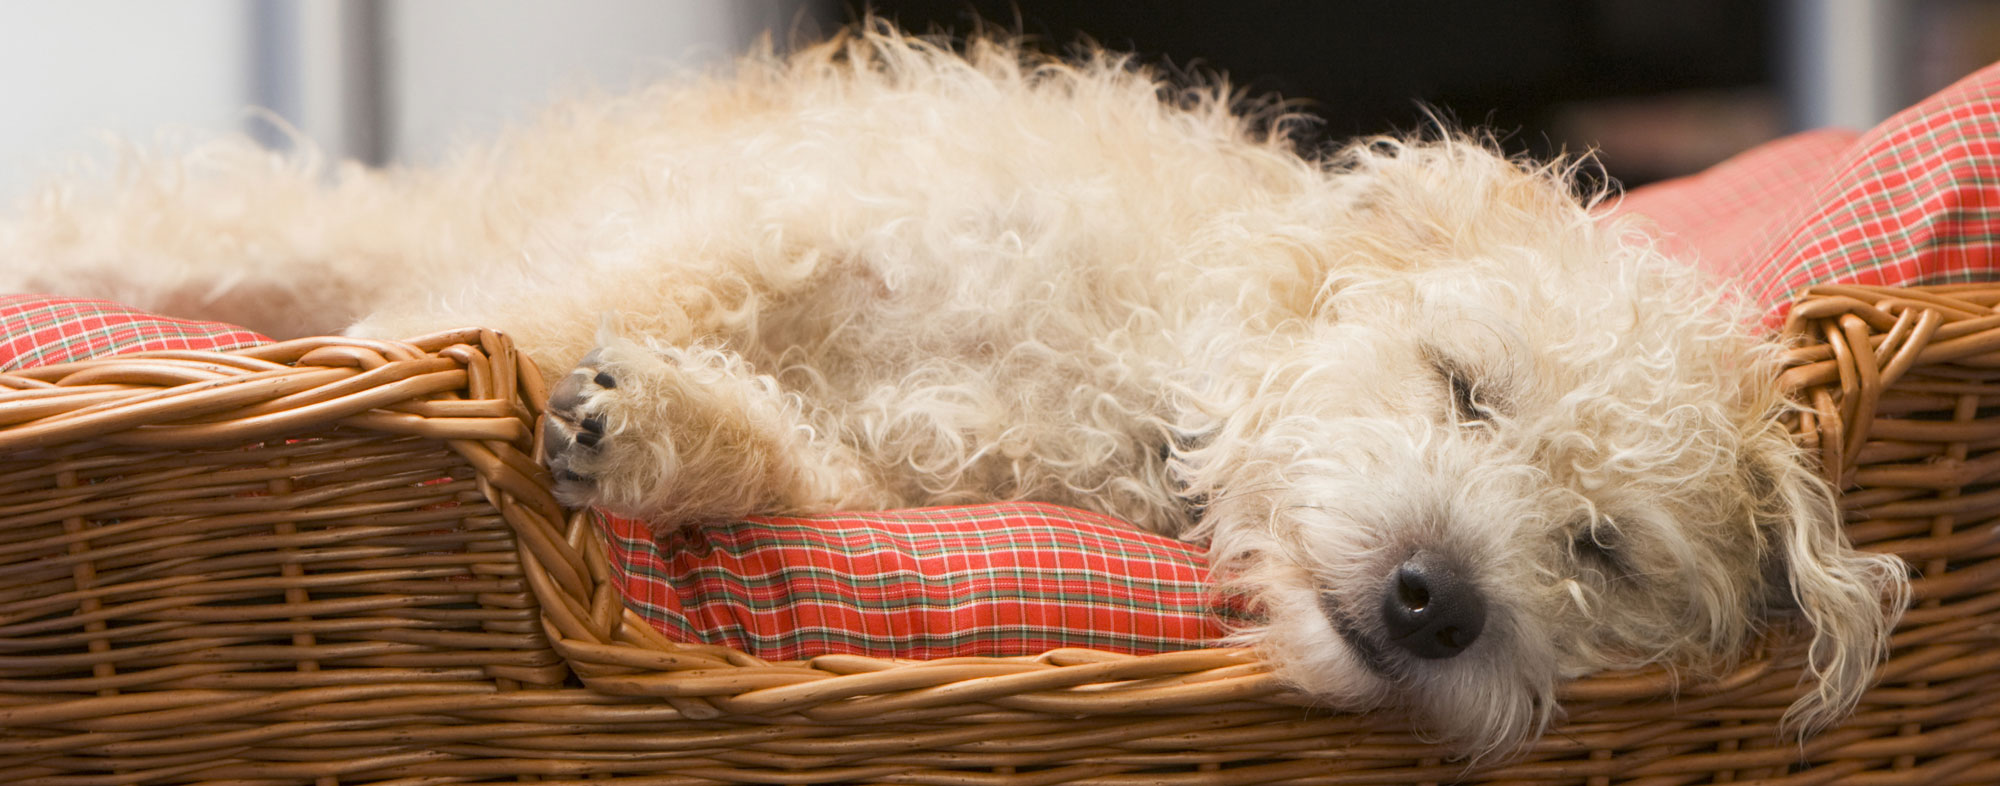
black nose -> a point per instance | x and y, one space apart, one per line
1430 608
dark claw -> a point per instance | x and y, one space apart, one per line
588 439
605 380
593 425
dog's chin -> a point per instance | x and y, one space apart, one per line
1485 702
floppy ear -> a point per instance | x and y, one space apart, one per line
1851 599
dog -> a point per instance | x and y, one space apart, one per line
1454 432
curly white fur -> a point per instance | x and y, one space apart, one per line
879 273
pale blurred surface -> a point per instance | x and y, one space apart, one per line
376 80
399 81
73 73
467 66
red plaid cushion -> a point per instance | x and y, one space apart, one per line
1916 201
1725 218
41 330
995 580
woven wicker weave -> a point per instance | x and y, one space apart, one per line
331 561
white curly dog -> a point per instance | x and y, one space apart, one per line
1459 436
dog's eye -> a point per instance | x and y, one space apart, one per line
1463 402
1471 401
1597 547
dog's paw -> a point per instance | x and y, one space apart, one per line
687 435
589 442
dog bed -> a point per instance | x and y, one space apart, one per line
331 561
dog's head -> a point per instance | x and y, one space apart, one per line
1500 442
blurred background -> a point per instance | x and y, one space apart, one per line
1659 88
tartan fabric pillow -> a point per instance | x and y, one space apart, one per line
1916 200
42 330
992 580
1722 219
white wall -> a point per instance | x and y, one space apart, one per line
71 72
467 67
435 70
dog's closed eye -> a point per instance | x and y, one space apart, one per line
1469 403
1463 403
1596 547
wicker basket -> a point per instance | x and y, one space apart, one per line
332 561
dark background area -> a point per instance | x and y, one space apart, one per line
1658 88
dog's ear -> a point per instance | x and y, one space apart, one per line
1851 599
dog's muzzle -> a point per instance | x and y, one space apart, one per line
1430 609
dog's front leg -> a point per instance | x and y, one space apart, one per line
690 435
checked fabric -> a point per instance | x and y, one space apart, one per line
41 331
1913 201
1724 218
994 580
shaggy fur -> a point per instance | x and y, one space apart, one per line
878 273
